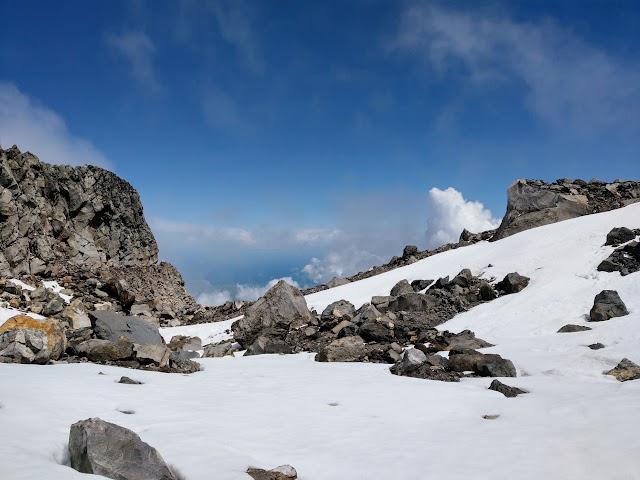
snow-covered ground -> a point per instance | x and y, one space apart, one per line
357 421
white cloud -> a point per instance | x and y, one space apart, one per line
192 233
451 213
341 263
214 298
235 20
31 126
252 292
242 292
569 83
138 50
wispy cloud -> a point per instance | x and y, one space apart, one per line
138 50
32 126
240 292
569 84
236 25
201 234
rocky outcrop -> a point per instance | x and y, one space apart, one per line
533 203
281 308
55 215
107 449
24 339
625 260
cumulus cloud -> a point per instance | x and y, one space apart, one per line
451 213
137 48
214 297
570 84
362 246
242 292
31 126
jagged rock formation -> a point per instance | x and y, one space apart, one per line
53 215
533 203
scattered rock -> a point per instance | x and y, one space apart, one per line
570 328
513 283
152 354
182 343
220 349
129 381
283 472
625 370
106 449
490 417
337 282
103 351
506 390
419 285
607 304
618 236
596 346
625 260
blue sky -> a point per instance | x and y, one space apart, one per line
264 134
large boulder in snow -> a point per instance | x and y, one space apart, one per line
414 363
532 203
484 365
506 390
109 325
619 235
103 448
607 304
101 351
281 308
24 339
513 283
266 344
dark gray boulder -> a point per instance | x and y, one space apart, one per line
376 332
419 285
513 283
265 344
401 288
103 448
338 311
607 304
506 390
101 351
282 307
484 365
596 346
618 236
109 325
414 363
571 328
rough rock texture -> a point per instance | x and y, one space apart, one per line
26 340
513 283
283 472
619 235
56 214
625 370
625 260
282 307
109 325
106 449
532 203
506 390
607 304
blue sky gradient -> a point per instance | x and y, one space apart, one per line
262 134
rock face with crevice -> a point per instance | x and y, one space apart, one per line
52 215
533 203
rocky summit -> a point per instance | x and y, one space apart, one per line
53 217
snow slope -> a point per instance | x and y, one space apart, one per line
357 421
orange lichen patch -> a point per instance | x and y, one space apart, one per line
54 331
